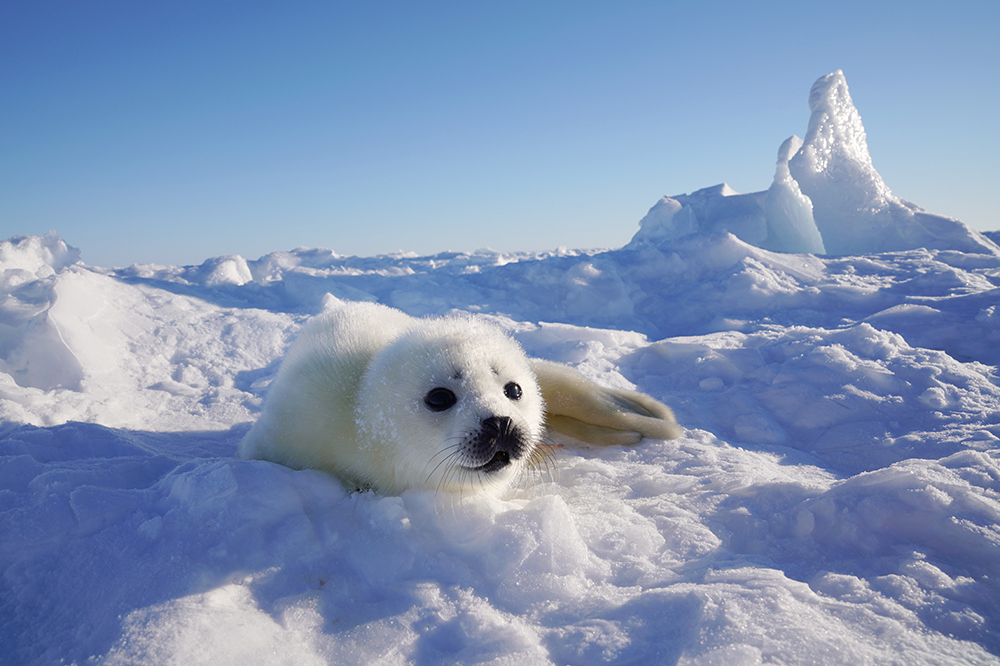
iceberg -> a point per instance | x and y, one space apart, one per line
826 197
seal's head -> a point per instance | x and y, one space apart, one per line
451 404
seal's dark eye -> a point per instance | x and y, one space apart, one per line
512 390
440 399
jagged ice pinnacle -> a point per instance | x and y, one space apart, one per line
826 197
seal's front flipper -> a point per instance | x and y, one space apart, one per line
586 411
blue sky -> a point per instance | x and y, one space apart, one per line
170 132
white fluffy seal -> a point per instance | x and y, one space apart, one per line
390 402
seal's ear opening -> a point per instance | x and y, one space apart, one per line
440 399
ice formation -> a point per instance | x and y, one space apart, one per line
788 212
826 198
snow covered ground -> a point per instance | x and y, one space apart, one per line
835 497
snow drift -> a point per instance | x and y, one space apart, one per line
835 497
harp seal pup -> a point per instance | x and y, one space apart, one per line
389 402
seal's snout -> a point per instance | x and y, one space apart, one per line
503 435
497 425
499 442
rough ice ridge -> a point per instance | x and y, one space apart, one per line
826 197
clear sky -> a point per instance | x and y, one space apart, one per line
173 131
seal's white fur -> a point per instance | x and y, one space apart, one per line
350 399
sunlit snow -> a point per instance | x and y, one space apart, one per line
831 351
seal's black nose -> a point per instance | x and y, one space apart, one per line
499 442
497 426
503 435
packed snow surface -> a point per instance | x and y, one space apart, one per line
835 497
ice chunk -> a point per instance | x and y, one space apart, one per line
779 219
826 198
789 213
38 255
721 209
853 208
32 350
717 209
27 258
228 269
665 221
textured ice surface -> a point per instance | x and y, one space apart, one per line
835 497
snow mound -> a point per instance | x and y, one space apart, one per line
826 197
24 258
78 343
34 351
